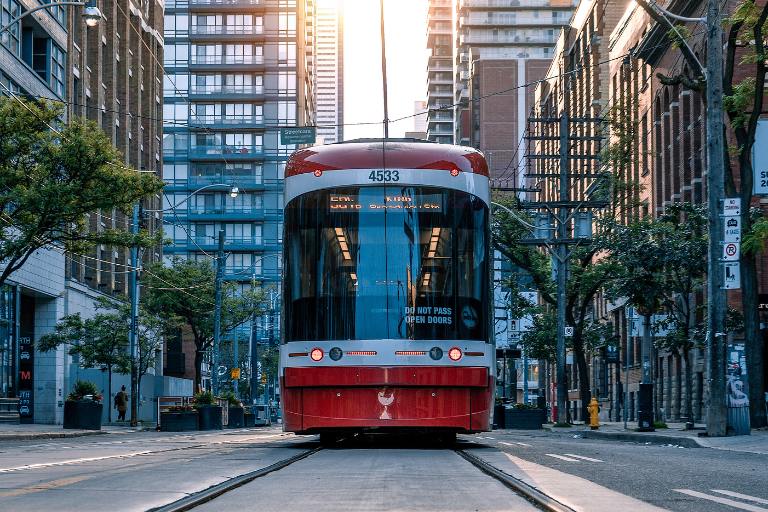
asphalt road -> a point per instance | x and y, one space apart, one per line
139 471
654 474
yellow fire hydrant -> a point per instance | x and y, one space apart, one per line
593 408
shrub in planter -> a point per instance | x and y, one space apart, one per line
82 409
208 414
179 418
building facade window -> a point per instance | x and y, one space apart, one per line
58 79
11 38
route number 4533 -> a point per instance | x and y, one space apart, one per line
380 175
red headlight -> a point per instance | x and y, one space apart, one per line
317 354
454 354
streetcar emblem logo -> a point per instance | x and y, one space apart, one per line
385 401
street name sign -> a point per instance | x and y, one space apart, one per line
731 251
732 276
732 232
297 135
731 206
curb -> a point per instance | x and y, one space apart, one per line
48 435
635 437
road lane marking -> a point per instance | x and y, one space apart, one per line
722 501
741 496
515 444
561 457
74 461
590 459
53 484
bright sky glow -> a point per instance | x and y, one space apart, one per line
406 41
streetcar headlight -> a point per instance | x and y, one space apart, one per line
454 354
316 354
436 353
454 172
318 173
335 353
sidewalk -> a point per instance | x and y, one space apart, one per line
675 435
25 432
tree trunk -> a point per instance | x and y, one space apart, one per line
585 393
108 401
688 385
753 344
198 370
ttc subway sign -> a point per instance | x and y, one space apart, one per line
297 135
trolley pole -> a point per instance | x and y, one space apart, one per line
716 412
561 262
384 71
217 315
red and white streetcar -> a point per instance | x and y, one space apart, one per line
386 289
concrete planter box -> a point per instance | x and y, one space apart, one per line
182 421
82 414
236 417
525 419
249 419
209 417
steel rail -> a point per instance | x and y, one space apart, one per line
531 493
206 495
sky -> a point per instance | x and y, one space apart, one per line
406 43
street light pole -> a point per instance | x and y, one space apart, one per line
217 315
134 334
91 13
716 412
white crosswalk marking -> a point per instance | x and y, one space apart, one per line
582 457
561 457
722 501
741 496
515 444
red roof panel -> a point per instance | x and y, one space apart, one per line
395 155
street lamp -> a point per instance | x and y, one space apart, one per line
91 13
233 193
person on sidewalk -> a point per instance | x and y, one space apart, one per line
121 403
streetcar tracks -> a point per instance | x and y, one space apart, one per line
533 494
198 498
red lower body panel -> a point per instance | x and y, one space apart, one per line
328 398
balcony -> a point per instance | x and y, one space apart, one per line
516 4
230 213
227 152
205 122
209 244
479 39
223 91
215 61
244 6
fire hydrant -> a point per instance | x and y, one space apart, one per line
594 409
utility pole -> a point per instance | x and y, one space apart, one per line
217 315
133 336
384 71
562 268
254 351
716 412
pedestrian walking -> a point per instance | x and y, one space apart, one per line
121 403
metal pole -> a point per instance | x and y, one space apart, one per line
134 285
217 315
716 412
525 377
384 71
561 264
254 351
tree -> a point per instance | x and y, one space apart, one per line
101 341
183 293
744 95
50 180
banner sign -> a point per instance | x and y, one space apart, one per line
760 159
26 378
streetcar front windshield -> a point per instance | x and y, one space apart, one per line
388 262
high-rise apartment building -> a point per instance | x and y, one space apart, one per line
440 71
236 72
329 71
501 47
110 73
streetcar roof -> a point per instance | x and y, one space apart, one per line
396 154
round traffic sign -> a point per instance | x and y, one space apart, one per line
730 249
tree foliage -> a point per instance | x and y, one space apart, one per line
50 180
184 293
